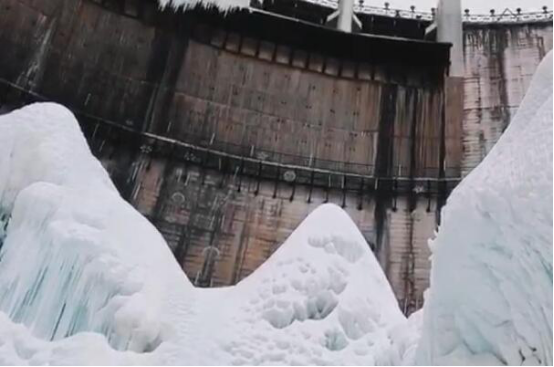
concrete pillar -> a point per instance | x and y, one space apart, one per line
449 29
346 15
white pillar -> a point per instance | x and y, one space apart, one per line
449 29
346 14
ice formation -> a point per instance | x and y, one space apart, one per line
490 299
85 279
75 257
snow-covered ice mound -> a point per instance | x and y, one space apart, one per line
75 256
321 298
490 299
85 279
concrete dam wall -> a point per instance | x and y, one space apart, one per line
227 131
500 60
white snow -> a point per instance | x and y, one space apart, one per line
76 257
85 279
222 5
490 299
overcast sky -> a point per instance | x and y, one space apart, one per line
475 6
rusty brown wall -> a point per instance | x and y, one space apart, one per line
246 219
499 63
287 113
260 98
78 53
364 134
360 131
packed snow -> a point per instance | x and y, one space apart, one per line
76 257
85 279
490 299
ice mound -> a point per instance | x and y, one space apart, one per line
322 298
85 279
490 299
74 256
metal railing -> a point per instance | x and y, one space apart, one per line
505 16
203 145
240 161
508 16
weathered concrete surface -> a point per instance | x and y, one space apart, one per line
200 210
288 100
218 84
499 63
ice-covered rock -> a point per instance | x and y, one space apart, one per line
490 299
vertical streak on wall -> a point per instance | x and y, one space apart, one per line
453 136
385 145
409 277
166 63
399 223
174 67
35 70
499 64
383 166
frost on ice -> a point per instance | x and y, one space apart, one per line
490 299
73 257
85 279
